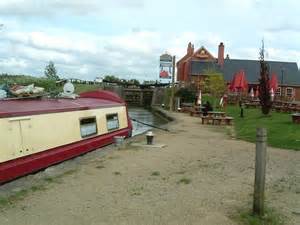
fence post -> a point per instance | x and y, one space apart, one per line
260 171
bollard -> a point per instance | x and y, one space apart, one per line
119 141
260 172
149 137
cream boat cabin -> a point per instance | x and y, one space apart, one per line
35 134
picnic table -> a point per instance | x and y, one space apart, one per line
216 118
281 106
216 114
219 120
296 118
252 104
197 110
186 107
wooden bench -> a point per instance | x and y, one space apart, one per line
296 118
195 112
206 119
226 120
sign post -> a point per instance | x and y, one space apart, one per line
260 172
172 88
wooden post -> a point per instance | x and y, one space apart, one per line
260 171
172 88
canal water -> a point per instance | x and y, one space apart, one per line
144 116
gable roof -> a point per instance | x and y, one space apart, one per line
291 74
203 52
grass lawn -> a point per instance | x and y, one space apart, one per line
282 133
79 88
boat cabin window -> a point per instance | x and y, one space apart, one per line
112 121
88 127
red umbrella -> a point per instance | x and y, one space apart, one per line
239 82
273 82
257 92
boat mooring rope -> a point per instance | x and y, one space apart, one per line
150 125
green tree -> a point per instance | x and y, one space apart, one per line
214 84
50 71
186 94
134 82
111 78
264 87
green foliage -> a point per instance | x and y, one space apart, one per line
134 82
50 72
270 218
48 84
186 94
150 81
111 78
214 84
184 180
79 88
155 173
264 87
282 133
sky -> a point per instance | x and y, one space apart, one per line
92 38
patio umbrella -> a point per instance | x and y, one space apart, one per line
199 98
257 92
233 82
252 93
239 82
272 94
243 85
273 82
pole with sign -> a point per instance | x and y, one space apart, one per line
172 88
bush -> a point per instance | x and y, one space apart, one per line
186 94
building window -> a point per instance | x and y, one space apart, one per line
88 127
112 121
289 92
278 92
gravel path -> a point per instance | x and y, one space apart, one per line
202 176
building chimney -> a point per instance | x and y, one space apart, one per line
221 55
189 49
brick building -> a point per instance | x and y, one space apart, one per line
194 66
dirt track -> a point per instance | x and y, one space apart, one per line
201 177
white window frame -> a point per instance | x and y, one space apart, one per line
88 127
278 91
289 89
113 124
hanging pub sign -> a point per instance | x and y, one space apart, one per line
165 66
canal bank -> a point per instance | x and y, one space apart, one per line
200 177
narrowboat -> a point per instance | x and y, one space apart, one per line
38 133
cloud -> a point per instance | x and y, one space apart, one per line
84 55
44 8
272 54
284 27
125 37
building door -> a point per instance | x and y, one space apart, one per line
10 139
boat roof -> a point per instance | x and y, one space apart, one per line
14 108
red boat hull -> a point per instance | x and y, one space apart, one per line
25 165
